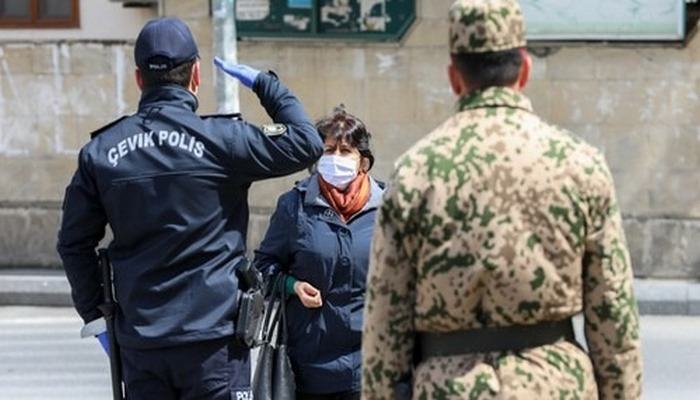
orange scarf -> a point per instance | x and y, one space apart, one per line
349 201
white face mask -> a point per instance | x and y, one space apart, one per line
339 171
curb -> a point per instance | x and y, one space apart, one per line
667 297
37 287
34 288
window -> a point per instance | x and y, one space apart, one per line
39 14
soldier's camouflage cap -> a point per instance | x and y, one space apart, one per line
480 26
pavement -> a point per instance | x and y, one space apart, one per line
42 287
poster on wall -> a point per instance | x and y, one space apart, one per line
271 15
361 19
353 16
252 10
299 3
374 16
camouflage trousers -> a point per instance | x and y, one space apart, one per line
557 371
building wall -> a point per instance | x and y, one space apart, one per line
104 20
637 103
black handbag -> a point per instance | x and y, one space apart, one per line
273 378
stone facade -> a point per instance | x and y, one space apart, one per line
636 102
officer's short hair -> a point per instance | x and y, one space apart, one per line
179 75
483 70
344 126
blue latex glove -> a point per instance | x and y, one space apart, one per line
243 73
98 329
104 341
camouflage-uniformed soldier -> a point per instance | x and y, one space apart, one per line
495 230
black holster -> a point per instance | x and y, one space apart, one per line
251 304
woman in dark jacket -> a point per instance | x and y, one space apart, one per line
319 235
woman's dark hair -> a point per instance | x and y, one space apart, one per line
482 70
343 126
179 75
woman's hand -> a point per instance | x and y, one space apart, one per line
310 296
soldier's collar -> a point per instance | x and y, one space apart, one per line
494 97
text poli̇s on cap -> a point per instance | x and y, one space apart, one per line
481 26
163 44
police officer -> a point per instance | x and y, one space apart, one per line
172 186
496 229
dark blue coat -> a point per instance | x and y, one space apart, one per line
173 188
314 244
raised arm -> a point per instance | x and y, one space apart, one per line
289 145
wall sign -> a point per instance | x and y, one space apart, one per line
319 19
605 20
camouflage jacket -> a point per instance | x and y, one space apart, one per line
494 219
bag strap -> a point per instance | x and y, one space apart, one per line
272 315
282 330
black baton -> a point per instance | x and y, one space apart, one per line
108 309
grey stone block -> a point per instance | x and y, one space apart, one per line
694 299
667 297
663 308
638 244
34 287
28 237
664 248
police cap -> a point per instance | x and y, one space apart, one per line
163 44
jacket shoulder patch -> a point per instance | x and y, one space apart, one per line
274 129
97 131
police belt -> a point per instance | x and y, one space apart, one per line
507 338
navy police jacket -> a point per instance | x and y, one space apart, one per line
308 239
173 187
